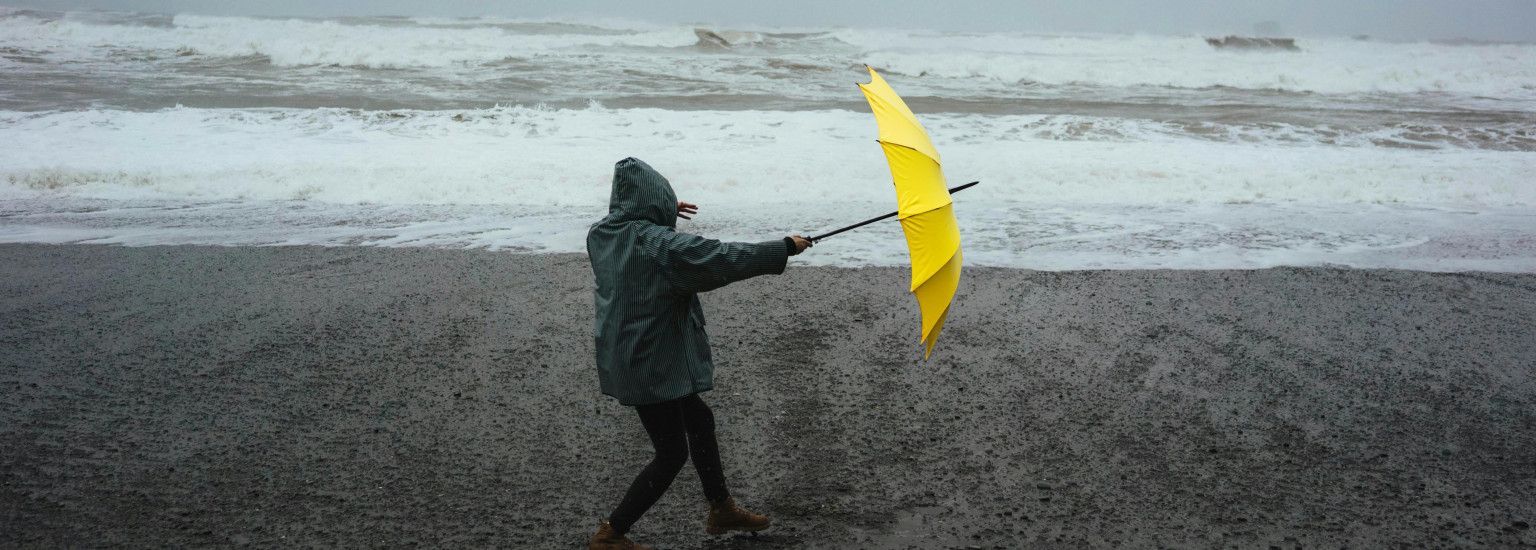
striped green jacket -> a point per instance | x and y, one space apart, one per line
651 345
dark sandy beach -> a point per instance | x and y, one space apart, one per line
202 396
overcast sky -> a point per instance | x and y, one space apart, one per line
1513 20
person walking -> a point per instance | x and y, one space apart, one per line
652 351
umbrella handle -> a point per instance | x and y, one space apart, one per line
955 189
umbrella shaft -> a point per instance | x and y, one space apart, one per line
955 189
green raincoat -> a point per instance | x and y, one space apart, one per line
651 345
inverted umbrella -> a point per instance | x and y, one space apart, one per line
923 206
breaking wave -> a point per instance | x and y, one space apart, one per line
1329 66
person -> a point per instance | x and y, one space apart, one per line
652 351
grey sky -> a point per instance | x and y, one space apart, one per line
1398 19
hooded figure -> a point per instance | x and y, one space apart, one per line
650 337
652 353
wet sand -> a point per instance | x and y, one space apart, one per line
203 396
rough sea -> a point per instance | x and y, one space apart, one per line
1094 150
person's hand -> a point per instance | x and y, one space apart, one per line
684 209
801 243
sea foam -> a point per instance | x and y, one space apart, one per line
531 178
533 155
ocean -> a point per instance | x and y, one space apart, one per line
1095 151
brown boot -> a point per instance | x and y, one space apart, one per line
727 516
606 539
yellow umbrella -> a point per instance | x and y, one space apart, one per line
927 218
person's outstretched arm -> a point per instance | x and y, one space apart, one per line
693 264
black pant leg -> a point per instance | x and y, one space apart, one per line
700 423
664 423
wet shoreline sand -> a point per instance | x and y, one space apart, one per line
197 396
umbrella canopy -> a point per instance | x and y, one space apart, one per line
923 206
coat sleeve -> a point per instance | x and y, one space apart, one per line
693 264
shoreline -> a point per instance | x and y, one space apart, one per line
1126 237
197 395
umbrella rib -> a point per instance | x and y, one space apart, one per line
912 149
915 284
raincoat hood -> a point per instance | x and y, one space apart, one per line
641 193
